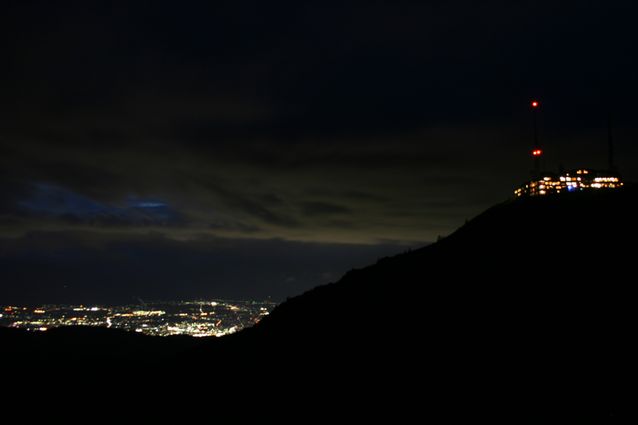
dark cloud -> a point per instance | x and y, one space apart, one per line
364 196
233 227
434 179
323 208
253 207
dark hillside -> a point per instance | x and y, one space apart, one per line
530 305
531 259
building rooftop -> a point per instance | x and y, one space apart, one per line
571 181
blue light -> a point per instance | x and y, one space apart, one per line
51 200
150 204
137 202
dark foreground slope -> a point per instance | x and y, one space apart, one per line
523 266
527 311
525 314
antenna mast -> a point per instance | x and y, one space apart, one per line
537 152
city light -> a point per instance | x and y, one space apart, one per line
573 181
192 318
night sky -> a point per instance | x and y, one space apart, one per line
252 149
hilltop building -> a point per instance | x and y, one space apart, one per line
572 181
582 179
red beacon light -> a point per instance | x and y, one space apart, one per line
535 104
537 152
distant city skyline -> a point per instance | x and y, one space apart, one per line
157 318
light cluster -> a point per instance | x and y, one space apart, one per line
193 318
573 181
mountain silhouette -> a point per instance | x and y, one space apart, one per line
524 314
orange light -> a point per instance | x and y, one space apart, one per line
535 104
537 152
